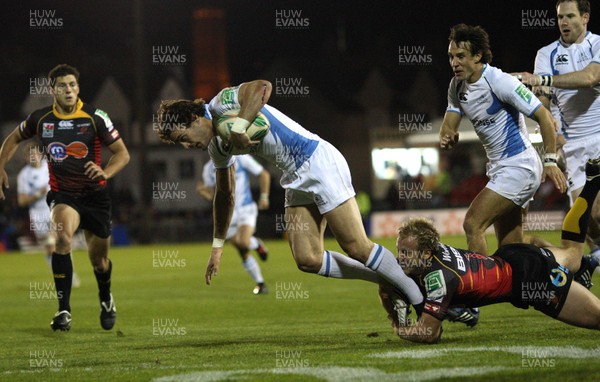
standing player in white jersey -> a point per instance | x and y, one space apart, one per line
316 178
32 188
569 70
243 221
493 101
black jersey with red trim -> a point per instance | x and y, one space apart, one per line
70 141
460 277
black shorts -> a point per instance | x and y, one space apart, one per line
538 280
94 210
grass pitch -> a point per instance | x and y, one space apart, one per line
172 327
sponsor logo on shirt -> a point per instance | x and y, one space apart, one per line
435 285
483 99
524 93
227 96
484 122
59 151
319 201
583 57
558 276
102 114
65 125
562 59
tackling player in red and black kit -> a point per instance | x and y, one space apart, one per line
524 275
72 134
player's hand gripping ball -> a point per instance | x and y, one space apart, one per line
257 130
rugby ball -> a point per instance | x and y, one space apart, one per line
256 131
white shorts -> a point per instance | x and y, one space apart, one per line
245 215
516 178
324 179
39 222
577 152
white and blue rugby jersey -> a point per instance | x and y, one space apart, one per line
244 164
579 109
30 180
287 145
494 105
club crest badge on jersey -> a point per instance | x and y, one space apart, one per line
48 130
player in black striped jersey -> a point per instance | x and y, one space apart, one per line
72 133
522 274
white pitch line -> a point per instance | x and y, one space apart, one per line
335 374
547 351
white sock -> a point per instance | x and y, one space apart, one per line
253 268
49 260
595 253
253 243
384 263
343 267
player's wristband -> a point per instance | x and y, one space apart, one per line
218 243
546 80
264 196
550 160
240 125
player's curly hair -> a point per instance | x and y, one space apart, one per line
583 6
423 231
475 38
177 114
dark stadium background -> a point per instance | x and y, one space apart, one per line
344 42
97 37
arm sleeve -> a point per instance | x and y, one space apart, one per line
28 128
226 100
511 91
543 67
250 164
453 101
105 129
440 287
596 50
